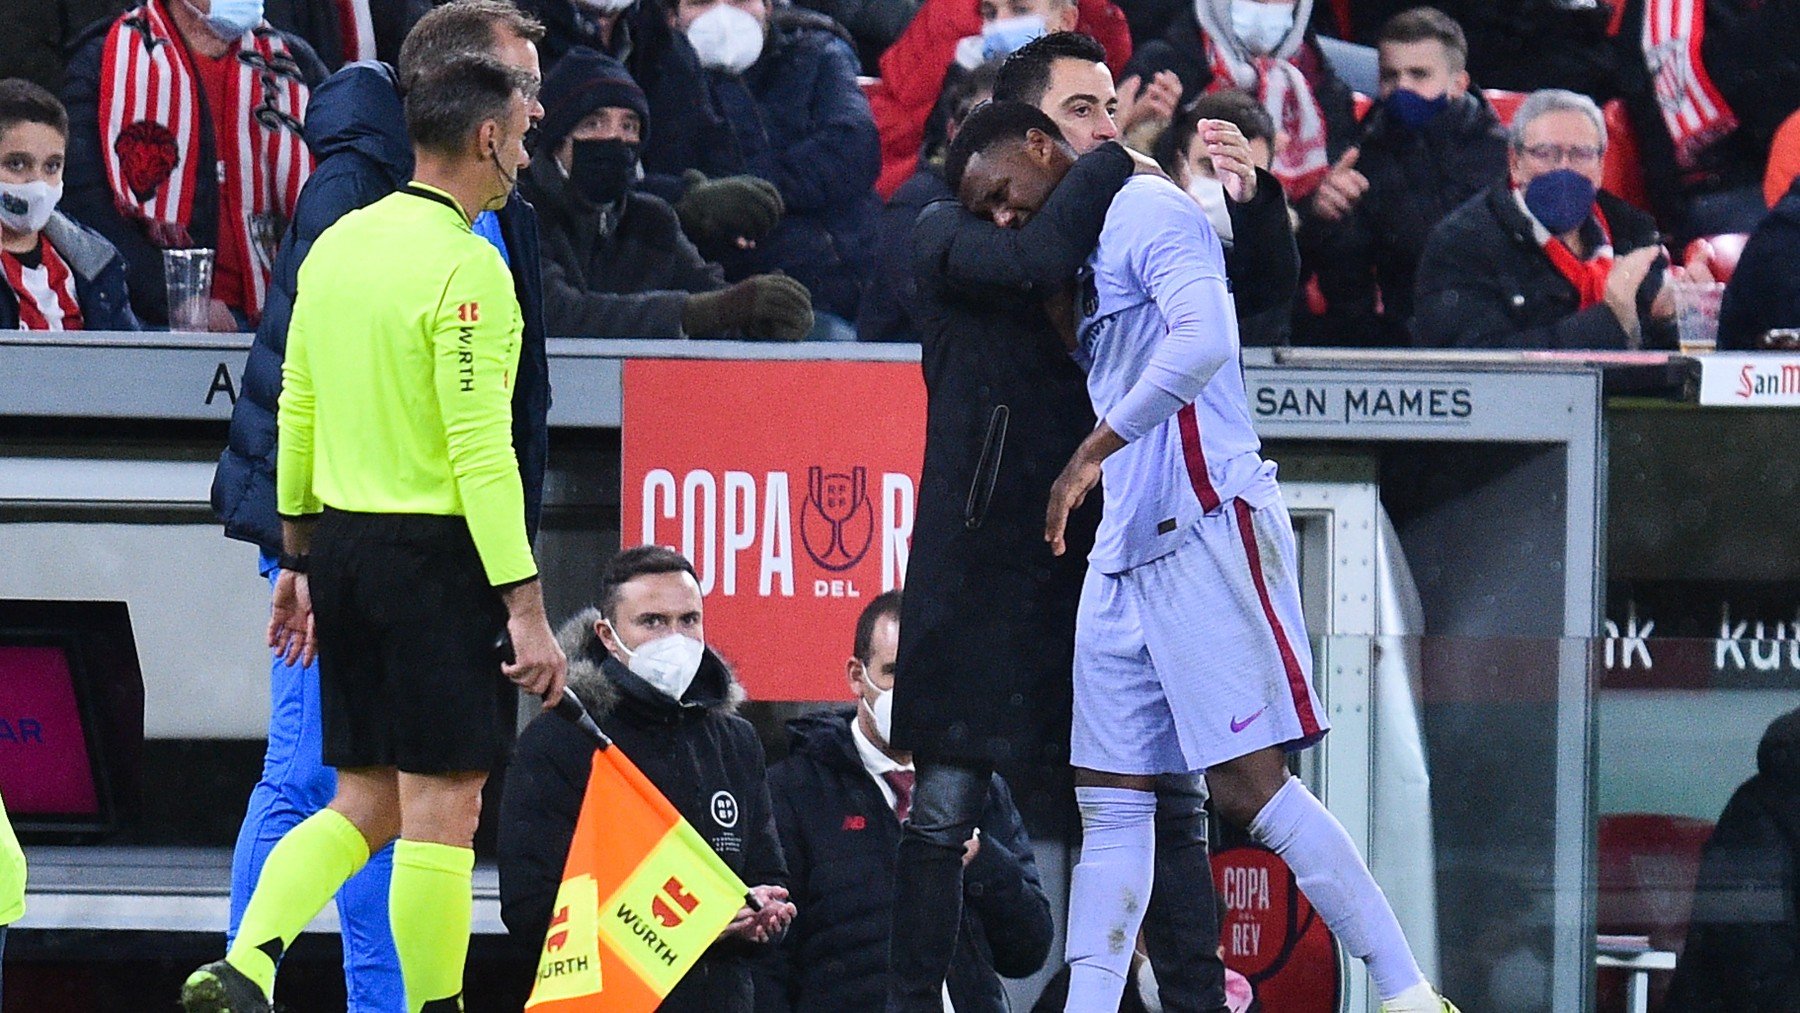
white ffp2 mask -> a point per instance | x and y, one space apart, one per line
882 713
667 663
726 38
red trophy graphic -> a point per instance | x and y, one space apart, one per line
837 523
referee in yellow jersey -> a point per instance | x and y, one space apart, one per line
403 512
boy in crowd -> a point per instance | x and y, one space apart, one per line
59 275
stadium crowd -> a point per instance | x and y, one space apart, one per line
720 169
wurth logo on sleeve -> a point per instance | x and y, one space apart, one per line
469 312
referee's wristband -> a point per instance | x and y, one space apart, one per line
295 562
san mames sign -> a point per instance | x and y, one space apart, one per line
791 486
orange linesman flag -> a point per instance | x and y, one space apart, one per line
639 902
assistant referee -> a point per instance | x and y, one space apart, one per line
403 513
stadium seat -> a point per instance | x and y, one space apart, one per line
1505 103
1648 865
1623 173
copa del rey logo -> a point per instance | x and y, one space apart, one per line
738 528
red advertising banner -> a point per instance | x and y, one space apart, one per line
791 486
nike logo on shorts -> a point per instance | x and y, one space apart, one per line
1238 726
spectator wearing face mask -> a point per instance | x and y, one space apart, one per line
692 159
1264 47
966 33
785 78
160 96
1546 259
59 275
639 663
616 264
1261 258
840 798
1431 144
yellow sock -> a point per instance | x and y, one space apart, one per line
301 875
430 902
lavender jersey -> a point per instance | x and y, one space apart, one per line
1160 344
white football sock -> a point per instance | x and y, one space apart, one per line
1303 832
1108 893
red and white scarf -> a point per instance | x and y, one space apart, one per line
356 29
151 116
45 293
1691 106
1279 84
1588 276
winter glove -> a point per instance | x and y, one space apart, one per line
764 306
717 213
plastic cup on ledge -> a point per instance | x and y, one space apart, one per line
1697 315
188 275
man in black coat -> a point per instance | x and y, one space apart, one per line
616 263
1549 261
1764 292
987 627
839 798
676 718
1743 942
1430 145
356 128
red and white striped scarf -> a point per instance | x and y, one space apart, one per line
356 29
1282 89
46 293
1691 106
151 116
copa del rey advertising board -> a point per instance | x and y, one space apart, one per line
791 486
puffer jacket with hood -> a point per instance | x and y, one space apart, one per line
356 128
1764 292
99 278
1743 943
699 752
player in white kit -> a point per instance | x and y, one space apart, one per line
1190 649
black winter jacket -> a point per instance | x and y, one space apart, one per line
623 271
1484 282
1263 263
840 837
89 198
697 753
1765 290
802 123
356 128
890 310
39 34
99 279
686 130
987 631
1743 942
1415 179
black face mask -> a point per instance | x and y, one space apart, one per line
603 171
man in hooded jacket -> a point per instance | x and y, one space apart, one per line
638 663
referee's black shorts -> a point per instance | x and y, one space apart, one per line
406 620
